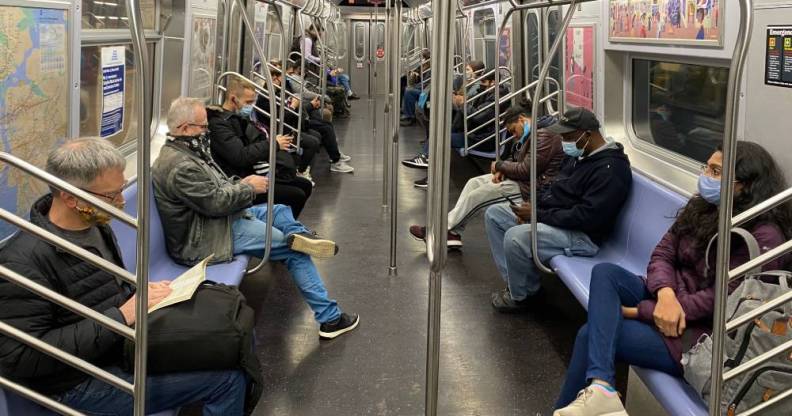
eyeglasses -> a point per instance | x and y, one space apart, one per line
204 126
566 138
713 171
110 196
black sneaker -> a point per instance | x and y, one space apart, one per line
353 97
406 122
422 183
342 325
312 245
418 162
503 302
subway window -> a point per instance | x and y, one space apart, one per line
679 107
111 14
91 97
532 47
484 36
360 41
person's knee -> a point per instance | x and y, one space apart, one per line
602 276
582 335
515 243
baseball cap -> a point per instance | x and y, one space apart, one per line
575 119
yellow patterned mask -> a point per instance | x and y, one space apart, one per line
92 215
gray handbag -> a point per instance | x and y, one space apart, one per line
772 329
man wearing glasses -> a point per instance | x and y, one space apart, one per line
574 214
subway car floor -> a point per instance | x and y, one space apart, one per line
490 364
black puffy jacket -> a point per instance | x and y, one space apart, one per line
237 144
68 275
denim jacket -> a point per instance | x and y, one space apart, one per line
197 204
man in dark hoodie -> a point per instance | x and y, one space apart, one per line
241 149
575 213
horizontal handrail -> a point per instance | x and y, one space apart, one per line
760 260
68 246
549 96
756 361
59 183
759 311
38 398
66 302
762 207
66 358
764 405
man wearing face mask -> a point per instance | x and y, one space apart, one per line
241 149
97 167
575 213
509 179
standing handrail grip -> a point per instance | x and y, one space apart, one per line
144 102
439 166
535 133
59 183
736 68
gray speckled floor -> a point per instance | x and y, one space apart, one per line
491 364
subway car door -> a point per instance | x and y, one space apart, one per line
368 56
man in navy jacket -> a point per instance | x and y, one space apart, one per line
575 213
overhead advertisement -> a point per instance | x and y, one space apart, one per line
778 62
579 66
113 61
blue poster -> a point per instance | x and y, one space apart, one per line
113 61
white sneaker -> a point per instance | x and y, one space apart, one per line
341 167
594 400
307 175
345 158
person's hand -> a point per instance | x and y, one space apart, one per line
260 183
316 102
156 293
492 167
668 314
523 212
497 177
283 141
339 70
458 100
629 312
334 73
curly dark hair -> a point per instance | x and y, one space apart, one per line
761 179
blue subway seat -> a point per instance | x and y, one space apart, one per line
646 216
161 266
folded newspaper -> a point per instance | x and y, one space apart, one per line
183 287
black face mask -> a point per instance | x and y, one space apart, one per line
198 144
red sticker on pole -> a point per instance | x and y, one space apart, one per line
380 53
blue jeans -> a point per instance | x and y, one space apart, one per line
510 244
221 392
457 142
343 79
609 337
249 238
409 102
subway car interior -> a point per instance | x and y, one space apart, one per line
447 207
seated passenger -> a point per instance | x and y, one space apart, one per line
412 92
337 77
508 178
95 166
641 321
238 146
205 212
575 213
485 118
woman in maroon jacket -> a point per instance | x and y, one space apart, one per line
640 321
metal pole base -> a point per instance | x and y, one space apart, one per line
393 271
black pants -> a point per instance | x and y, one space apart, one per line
327 134
293 193
309 143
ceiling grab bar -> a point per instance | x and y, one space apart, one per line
726 207
143 101
272 131
439 164
534 132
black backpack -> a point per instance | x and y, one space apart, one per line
213 331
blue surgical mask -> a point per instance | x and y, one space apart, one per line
571 149
246 111
709 188
526 132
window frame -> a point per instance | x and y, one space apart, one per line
677 159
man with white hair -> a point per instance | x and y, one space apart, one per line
96 167
204 212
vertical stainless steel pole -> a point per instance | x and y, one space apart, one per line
143 101
394 97
443 12
727 193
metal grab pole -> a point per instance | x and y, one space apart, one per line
727 193
394 97
143 101
534 132
444 13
